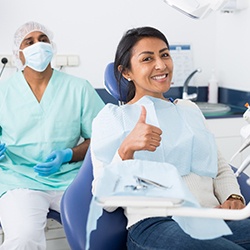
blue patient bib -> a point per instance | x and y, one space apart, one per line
186 142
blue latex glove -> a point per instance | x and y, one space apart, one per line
53 162
2 150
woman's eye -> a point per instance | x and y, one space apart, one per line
165 55
147 59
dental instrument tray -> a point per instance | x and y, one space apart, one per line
170 207
138 201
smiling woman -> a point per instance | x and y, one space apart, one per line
152 68
150 136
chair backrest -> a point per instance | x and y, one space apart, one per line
111 230
112 86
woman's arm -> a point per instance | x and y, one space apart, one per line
226 184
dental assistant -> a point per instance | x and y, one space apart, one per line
45 130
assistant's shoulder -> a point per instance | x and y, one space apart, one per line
11 80
70 79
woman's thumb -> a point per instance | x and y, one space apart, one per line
143 115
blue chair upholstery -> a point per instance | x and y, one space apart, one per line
111 230
112 86
244 187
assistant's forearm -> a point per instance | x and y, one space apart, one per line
80 150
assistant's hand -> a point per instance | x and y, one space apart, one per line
143 137
53 162
2 150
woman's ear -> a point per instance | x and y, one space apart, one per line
125 72
120 68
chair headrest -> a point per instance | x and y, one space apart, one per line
112 86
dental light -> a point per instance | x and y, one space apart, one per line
199 9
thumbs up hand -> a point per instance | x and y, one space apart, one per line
142 137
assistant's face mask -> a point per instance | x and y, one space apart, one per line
38 56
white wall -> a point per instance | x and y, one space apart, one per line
92 30
233 50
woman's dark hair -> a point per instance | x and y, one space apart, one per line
123 52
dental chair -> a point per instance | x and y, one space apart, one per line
111 230
112 87
244 187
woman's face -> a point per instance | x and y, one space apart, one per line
151 68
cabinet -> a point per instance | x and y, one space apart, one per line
228 138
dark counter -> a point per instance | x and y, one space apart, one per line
235 99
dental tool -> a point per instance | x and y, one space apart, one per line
245 132
245 144
141 180
243 166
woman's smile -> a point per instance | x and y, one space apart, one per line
151 68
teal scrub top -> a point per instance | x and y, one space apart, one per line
32 130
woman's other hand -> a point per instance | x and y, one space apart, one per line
232 204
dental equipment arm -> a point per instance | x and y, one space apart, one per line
243 166
245 144
245 132
199 9
196 8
